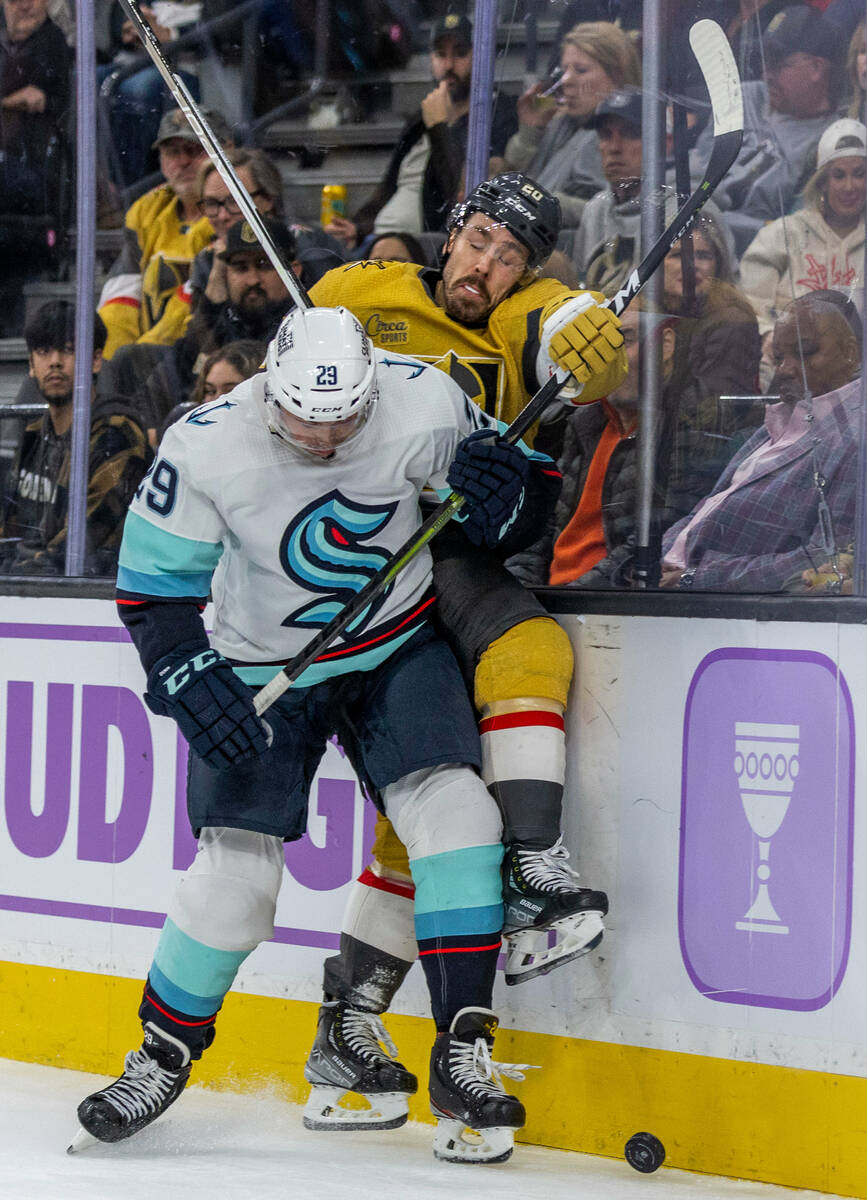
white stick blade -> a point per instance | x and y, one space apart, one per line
714 54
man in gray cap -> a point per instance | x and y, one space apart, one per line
784 117
421 183
606 244
163 232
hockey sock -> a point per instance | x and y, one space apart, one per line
460 974
523 765
195 1032
458 917
377 947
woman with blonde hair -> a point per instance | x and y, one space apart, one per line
820 245
553 143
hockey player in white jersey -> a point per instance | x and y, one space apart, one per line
282 499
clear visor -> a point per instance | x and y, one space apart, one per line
321 439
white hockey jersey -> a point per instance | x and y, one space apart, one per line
284 540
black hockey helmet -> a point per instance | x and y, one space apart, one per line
528 210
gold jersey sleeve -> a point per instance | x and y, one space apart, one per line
495 364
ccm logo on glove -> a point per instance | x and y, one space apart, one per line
193 666
212 706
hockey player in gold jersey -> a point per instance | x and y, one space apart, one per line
490 322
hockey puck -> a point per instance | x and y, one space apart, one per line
644 1152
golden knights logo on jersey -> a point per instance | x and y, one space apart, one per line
480 378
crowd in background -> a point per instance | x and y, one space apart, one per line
762 302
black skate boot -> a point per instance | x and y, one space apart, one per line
466 1093
153 1078
348 1056
541 893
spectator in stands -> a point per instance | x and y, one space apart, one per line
256 297
35 67
761 526
35 64
590 542
256 302
423 178
216 203
606 244
783 121
316 251
555 144
820 245
139 101
221 371
163 232
35 507
856 74
718 352
398 247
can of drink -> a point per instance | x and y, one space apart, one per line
333 202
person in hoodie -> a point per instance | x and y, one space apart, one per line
33 521
822 244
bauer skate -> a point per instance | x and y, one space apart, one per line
153 1078
476 1116
348 1057
542 899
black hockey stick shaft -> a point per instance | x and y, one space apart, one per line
718 66
211 144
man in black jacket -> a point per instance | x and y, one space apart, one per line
35 507
34 101
423 178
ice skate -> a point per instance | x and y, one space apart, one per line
476 1117
153 1078
348 1058
542 898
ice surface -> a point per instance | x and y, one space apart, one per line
253 1145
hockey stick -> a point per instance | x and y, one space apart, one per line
718 67
215 152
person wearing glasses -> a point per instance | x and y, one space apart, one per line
315 251
207 275
163 232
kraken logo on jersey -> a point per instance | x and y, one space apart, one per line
321 549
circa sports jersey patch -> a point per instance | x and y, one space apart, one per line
386 333
323 549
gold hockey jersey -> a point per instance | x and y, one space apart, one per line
495 364
153 265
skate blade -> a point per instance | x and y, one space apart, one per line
323 1111
82 1140
527 959
456 1142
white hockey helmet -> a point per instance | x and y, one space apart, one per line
321 366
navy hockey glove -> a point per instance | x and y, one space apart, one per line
212 706
492 477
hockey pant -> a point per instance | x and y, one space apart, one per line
521 686
225 905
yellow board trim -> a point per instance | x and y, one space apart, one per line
779 1125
